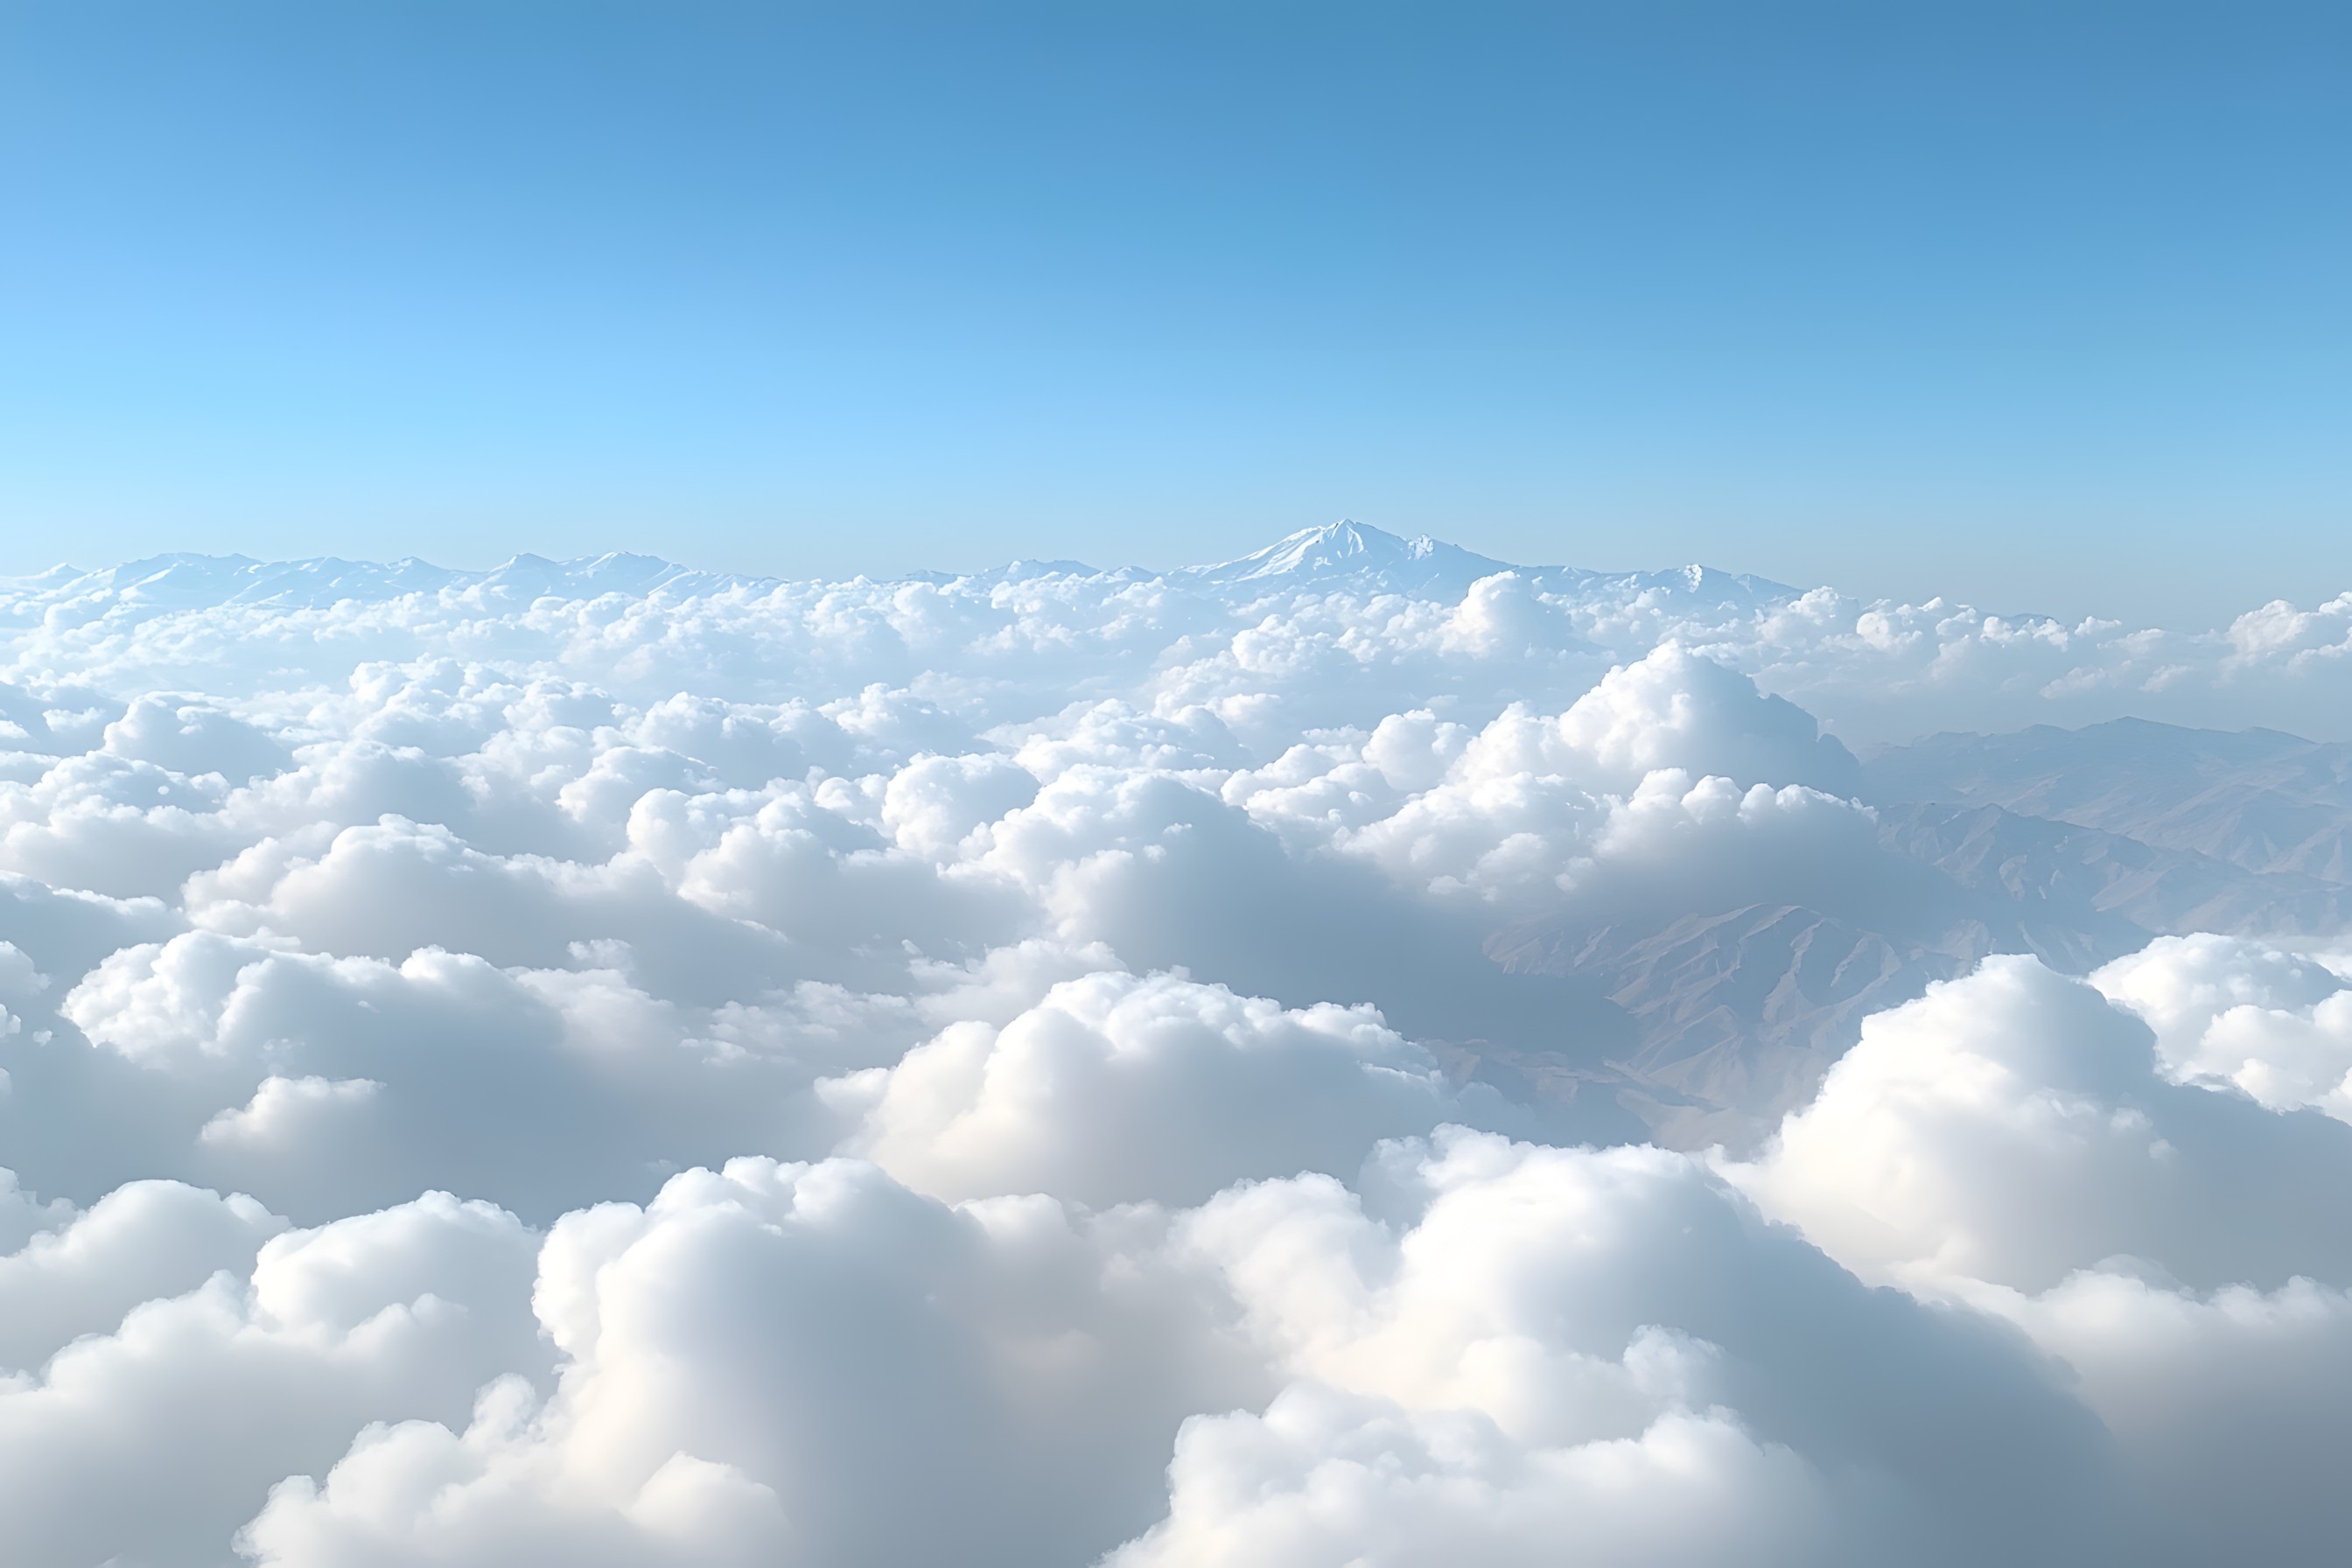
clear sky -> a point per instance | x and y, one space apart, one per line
2041 304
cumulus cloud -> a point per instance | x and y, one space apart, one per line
2013 1127
604 1062
328 1084
1535 1334
768 1363
196 1400
1541 1335
2275 1023
79 1273
1115 1089
1674 710
2013 1141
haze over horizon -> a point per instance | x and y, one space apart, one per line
1344 547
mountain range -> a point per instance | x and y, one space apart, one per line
1340 556
2077 845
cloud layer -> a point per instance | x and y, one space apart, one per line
602 1063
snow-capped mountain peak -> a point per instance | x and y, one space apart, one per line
1351 551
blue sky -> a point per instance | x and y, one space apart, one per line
2045 305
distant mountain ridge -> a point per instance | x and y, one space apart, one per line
189 581
1343 556
1349 554
2259 799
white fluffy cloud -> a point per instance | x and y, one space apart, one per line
2277 1024
771 1362
1060 1067
2013 1127
2013 1141
1118 1090
1537 1335
1540 1336
195 1399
